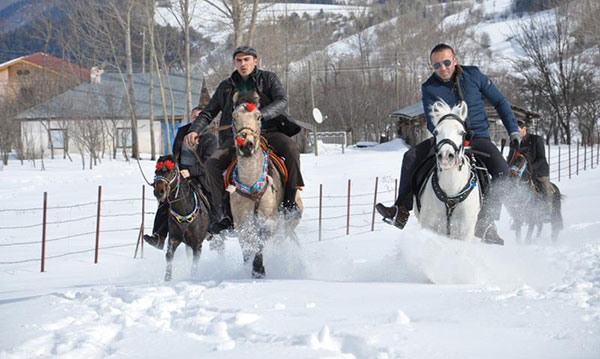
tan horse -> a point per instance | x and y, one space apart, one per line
256 191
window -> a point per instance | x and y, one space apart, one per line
22 72
57 138
124 137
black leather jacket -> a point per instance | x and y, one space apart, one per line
273 105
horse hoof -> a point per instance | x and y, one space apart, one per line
167 277
258 274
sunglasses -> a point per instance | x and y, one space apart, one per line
438 65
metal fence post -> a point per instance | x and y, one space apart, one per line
577 168
585 156
374 203
395 189
140 240
98 223
348 210
549 157
44 232
320 210
559 163
569 159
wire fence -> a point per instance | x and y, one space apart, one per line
337 214
566 161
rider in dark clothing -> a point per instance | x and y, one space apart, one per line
533 149
453 83
190 167
277 128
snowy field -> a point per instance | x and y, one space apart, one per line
380 294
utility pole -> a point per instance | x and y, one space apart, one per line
312 101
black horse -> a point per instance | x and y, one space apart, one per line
526 203
188 210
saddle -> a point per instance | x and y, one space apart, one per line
425 170
275 163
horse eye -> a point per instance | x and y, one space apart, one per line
435 133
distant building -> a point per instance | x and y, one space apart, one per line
102 105
412 127
27 78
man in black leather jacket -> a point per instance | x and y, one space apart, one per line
277 128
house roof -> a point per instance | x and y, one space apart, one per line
108 100
415 111
49 62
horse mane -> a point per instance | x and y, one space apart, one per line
440 108
247 97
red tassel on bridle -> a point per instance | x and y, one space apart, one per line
250 106
240 141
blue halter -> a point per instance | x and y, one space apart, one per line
258 187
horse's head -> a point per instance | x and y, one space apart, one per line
518 168
246 123
165 174
450 131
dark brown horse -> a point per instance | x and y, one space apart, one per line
188 212
526 203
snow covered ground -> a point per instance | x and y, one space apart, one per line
381 294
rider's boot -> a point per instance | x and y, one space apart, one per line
485 228
289 206
396 215
218 222
155 240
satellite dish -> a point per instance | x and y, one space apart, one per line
317 115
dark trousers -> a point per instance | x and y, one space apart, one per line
495 164
283 146
161 220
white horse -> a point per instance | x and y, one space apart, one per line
450 200
257 190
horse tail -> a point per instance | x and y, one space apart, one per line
557 198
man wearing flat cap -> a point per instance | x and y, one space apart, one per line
277 127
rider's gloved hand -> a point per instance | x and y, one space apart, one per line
515 139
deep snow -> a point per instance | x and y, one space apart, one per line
381 294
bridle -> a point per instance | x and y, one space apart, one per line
169 181
452 201
458 149
240 135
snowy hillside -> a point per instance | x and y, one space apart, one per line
212 21
380 294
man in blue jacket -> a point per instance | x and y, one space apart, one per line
453 83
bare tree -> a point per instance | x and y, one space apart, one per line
553 65
235 12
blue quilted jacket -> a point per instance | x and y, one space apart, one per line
475 87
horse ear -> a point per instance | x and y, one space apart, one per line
236 95
463 110
437 110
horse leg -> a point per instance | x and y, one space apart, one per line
258 268
173 244
517 226
197 251
529 233
540 226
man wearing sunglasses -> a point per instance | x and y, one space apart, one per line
453 83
